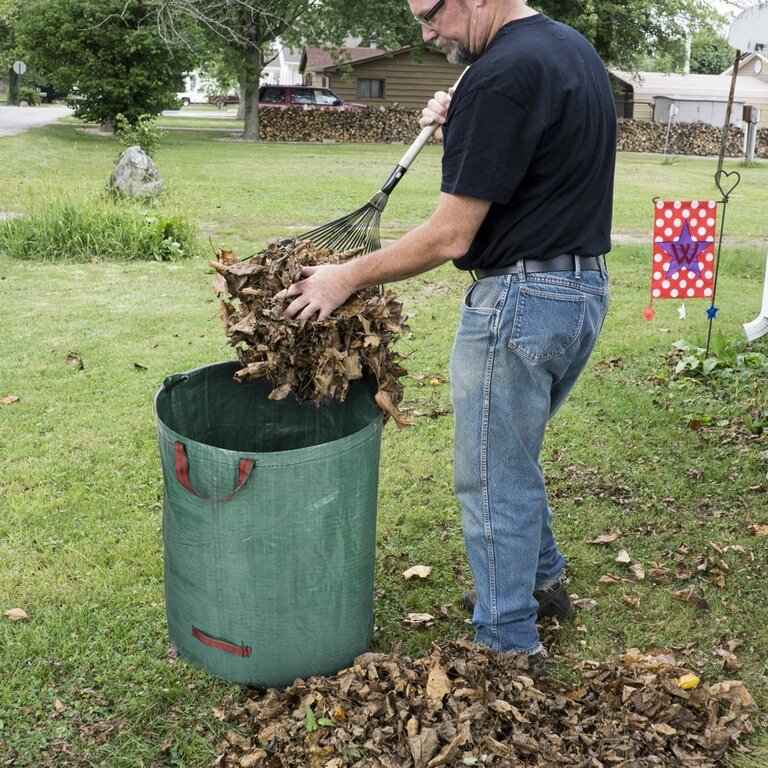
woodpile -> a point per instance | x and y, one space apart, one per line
683 138
393 125
386 125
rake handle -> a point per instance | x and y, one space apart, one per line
427 132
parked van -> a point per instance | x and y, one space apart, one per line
302 96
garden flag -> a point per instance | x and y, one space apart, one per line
683 264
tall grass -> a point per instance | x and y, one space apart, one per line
102 229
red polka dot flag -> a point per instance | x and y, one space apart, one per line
683 249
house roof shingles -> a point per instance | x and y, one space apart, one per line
319 59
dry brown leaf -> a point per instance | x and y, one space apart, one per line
585 603
59 706
637 571
438 684
75 361
253 759
16 614
450 751
418 620
385 402
736 694
227 257
605 538
691 596
9 399
420 571
423 746
758 530
633 602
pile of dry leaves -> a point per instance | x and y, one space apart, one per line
314 360
462 705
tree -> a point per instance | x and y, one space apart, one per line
109 49
710 53
624 31
247 32
7 41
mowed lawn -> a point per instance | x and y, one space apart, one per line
670 469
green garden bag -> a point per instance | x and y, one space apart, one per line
269 526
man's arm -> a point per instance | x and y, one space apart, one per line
446 235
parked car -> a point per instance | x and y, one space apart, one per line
221 100
302 95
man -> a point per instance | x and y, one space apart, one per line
525 206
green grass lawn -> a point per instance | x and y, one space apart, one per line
87 678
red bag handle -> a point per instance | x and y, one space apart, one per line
182 473
221 645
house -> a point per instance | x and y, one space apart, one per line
378 77
283 68
659 97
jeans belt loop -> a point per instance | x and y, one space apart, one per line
577 266
520 263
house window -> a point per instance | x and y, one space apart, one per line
370 89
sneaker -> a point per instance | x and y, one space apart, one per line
553 601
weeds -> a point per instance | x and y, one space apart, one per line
726 386
144 133
75 231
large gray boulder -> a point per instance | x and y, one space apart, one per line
136 174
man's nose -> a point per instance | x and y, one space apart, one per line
428 34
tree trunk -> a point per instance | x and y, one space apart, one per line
251 95
13 89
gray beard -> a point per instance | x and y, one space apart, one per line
458 54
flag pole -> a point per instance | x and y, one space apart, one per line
728 109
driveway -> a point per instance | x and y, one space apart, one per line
18 119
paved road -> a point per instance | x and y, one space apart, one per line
18 119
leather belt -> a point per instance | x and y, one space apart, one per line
565 262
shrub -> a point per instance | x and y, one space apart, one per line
30 95
144 133
68 230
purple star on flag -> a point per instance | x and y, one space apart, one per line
684 252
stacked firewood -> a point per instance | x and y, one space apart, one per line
682 139
385 125
395 125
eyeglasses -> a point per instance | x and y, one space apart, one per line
426 18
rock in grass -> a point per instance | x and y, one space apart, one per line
311 359
136 175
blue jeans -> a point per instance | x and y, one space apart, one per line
522 342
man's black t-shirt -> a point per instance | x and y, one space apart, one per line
532 129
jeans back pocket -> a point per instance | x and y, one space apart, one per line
547 322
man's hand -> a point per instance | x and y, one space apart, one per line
324 288
436 110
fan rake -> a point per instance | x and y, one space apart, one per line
361 228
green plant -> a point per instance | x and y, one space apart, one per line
143 132
66 230
30 95
728 384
